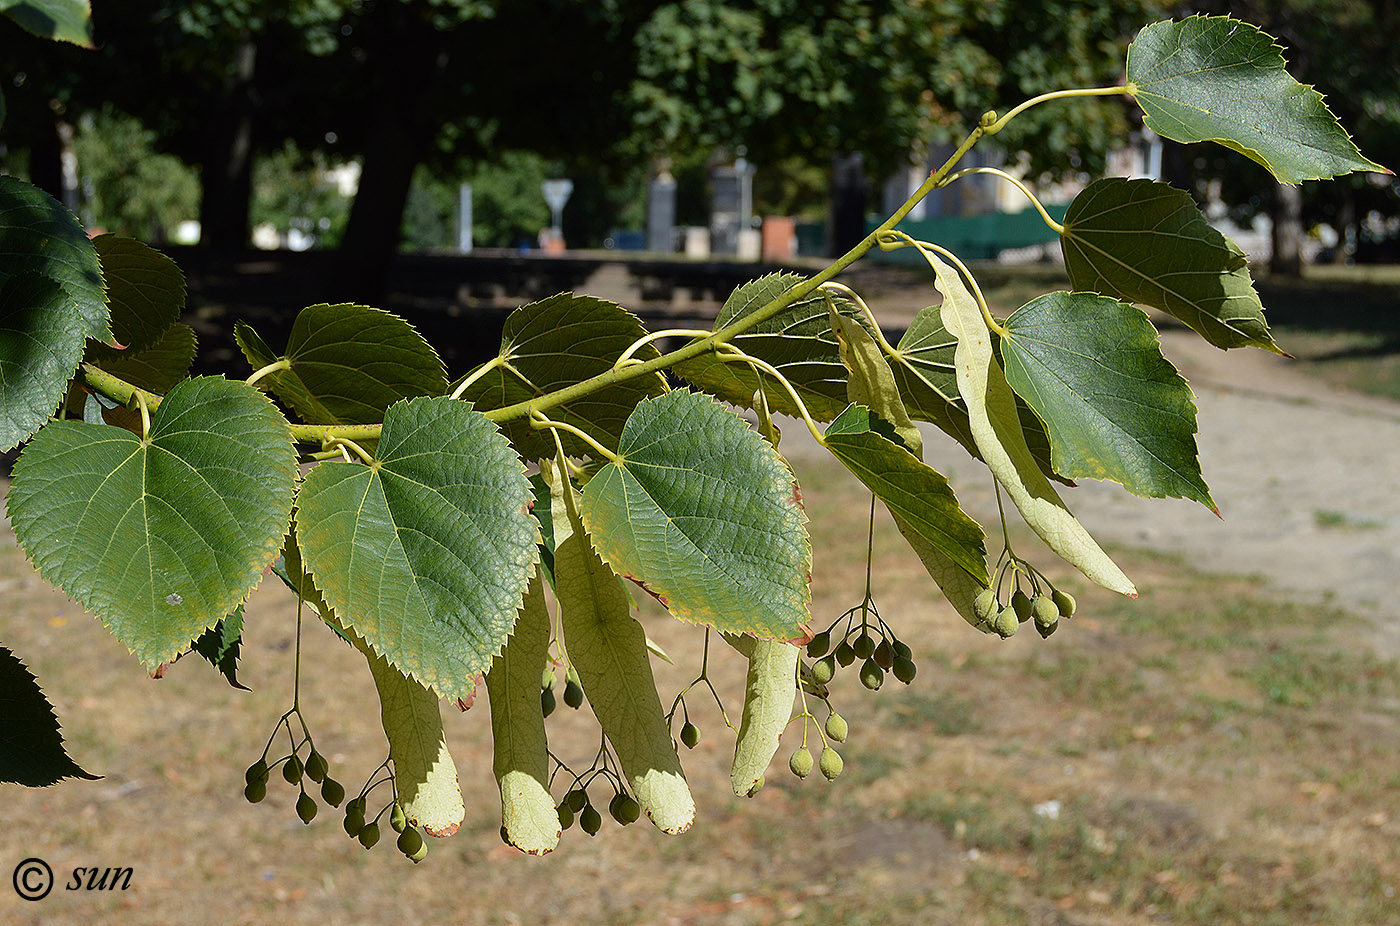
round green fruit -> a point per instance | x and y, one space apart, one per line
332 792
985 606
292 770
830 763
819 645
306 807
573 694
547 701
590 820
690 735
398 820
409 841
1021 604
369 835
317 767
801 762
256 772
836 727
864 647
1006 622
871 675
255 791
823 669
845 653
904 669
354 822
1064 602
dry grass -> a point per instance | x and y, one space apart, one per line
1208 754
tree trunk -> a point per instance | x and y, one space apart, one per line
46 158
1287 214
847 224
227 177
403 60
1345 223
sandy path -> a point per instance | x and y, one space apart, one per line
1307 479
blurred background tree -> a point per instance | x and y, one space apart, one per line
425 94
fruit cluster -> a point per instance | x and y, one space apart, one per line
1045 604
880 651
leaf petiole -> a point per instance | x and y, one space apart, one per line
538 421
728 353
998 124
275 366
1056 226
626 359
342 443
476 374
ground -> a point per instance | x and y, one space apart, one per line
1223 750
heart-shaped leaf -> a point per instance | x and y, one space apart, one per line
41 345
426 552
38 235
1115 408
798 341
1143 241
554 343
31 743
164 536
703 512
145 290
348 363
1213 78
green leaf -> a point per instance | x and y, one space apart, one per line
798 341
1115 408
554 343
41 345
348 363
1213 78
162 537
38 235
31 743
913 491
157 368
220 644
702 512
426 552
60 20
923 369
1143 241
145 290
991 407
